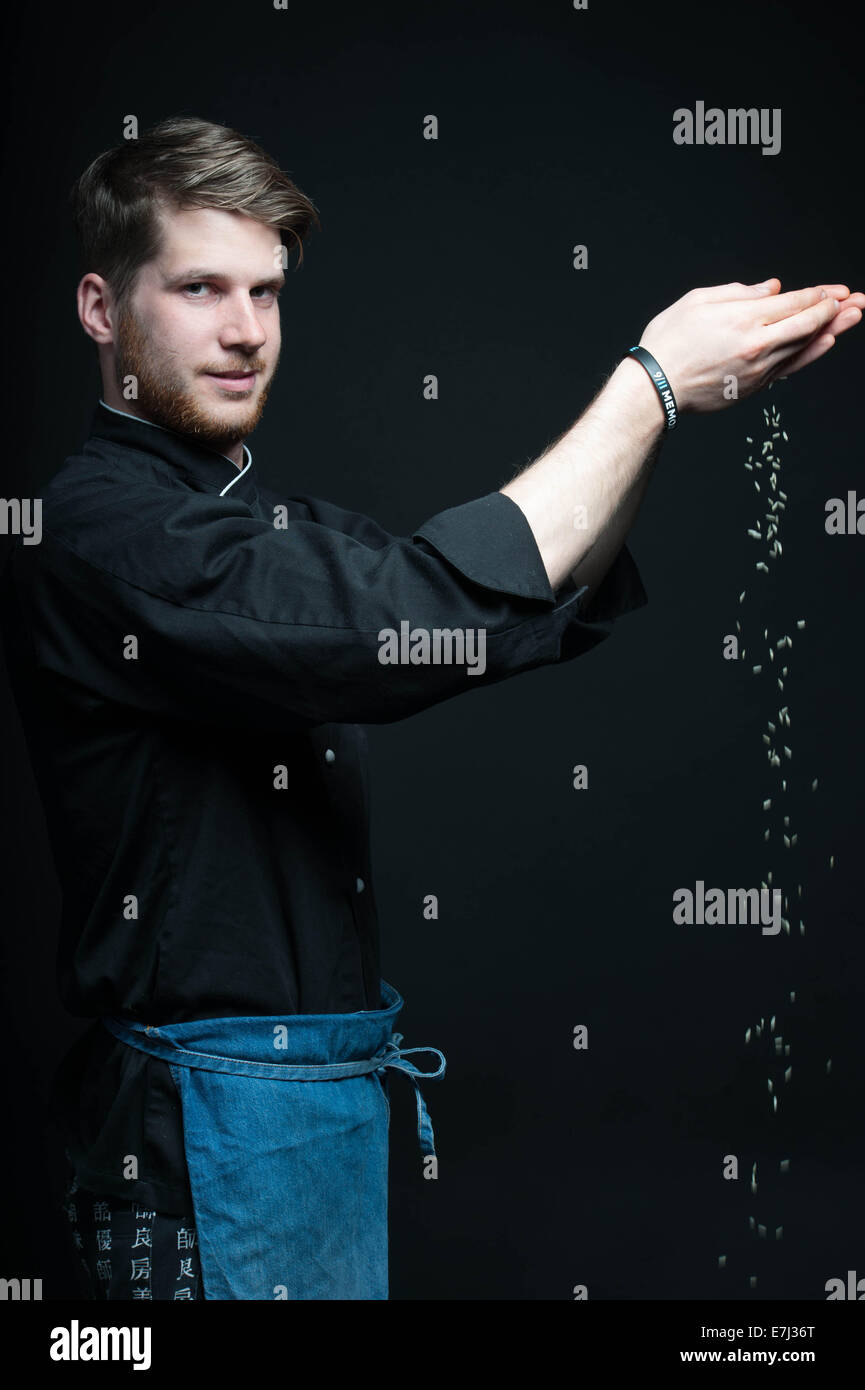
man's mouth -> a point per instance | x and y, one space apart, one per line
233 381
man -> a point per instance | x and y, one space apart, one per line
193 658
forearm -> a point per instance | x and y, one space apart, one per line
582 495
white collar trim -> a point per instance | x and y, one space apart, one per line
154 426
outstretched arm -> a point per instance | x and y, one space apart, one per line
582 495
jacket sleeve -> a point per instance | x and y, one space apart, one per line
237 621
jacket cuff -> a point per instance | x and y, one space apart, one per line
620 591
512 565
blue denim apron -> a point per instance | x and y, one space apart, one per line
288 1181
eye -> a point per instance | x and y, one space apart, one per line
268 291
196 285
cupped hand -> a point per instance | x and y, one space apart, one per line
745 334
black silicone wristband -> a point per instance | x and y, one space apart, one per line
665 391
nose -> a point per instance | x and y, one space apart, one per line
241 326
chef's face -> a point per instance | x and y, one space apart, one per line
200 331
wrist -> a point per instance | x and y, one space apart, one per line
638 397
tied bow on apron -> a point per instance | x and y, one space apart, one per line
289 1181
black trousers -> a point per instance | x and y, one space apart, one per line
129 1251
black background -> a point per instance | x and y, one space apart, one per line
453 257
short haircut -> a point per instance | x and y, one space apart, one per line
182 162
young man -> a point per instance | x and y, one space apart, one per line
193 658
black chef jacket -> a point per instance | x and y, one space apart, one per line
193 658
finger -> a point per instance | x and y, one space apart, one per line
804 357
847 317
794 331
715 294
770 286
853 301
784 306
838 292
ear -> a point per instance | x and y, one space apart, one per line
96 309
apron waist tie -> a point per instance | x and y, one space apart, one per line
392 1055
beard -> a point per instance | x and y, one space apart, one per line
165 399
